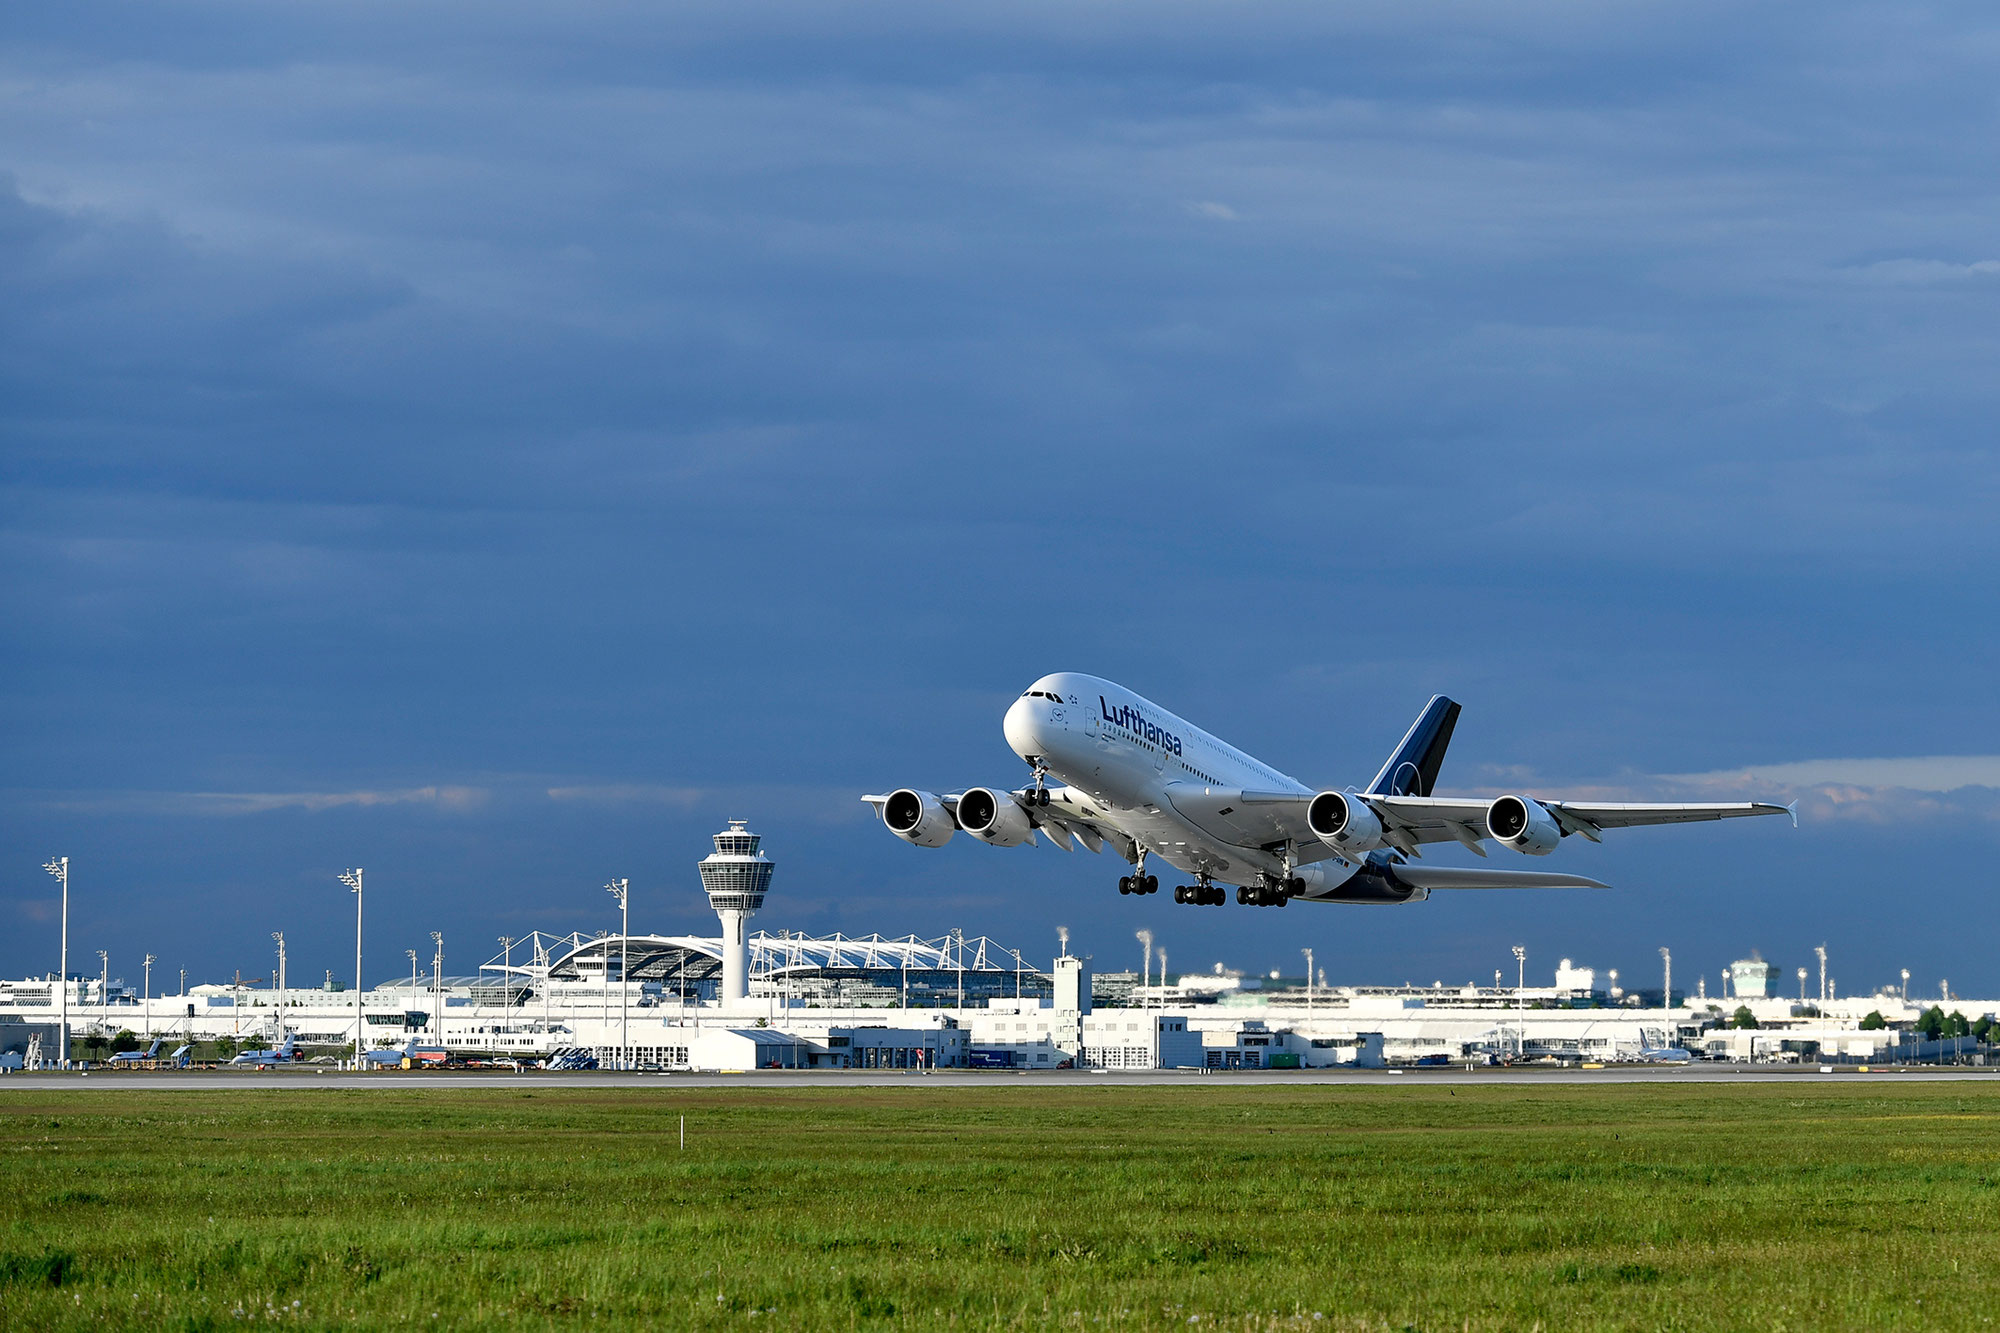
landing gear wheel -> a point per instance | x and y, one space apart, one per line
1124 884
1041 796
1180 893
1242 897
1152 884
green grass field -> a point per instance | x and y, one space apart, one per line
1027 1205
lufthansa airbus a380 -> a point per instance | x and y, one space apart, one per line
1153 787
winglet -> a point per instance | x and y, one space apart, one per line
1793 811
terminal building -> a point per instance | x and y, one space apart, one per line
787 1001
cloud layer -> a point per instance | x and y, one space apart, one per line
720 414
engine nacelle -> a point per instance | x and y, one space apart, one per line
995 818
918 817
1344 823
1524 824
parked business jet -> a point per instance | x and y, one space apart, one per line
1156 788
139 1057
391 1057
281 1056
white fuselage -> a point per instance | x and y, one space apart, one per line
1121 758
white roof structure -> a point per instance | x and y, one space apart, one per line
699 958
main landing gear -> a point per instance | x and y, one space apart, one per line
1203 894
1139 881
1272 892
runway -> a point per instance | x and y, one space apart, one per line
292 1080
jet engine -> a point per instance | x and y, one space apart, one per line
918 817
995 818
1524 824
1343 823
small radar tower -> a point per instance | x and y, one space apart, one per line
737 876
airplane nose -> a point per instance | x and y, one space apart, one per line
1024 735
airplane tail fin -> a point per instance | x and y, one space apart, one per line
1413 769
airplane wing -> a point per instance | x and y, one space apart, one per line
1422 819
1272 818
1060 822
1454 877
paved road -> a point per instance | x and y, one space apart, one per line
294 1079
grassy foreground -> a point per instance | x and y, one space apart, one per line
1025 1205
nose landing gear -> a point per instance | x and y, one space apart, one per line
1039 795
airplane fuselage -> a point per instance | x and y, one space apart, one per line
1123 759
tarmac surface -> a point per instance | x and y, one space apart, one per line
251 1080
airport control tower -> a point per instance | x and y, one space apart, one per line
737 876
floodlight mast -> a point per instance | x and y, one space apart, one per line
352 879
59 867
1145 937
437 987
279 936
507 974
1802 987
149 995
621 889
1821 951
1906 985
1667 961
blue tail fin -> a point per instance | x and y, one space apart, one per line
1413 769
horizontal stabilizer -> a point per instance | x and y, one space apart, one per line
1453 877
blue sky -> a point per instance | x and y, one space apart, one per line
492 445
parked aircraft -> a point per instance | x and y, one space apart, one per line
139 1057
281 1056
1154 787
391 1057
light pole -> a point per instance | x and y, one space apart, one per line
1906 985
149 996
59 867
437 987
1615 993
1802 987
103 988
352 879
1163 979
1145 937
279 936
621 889
1309 978
1821 951
1725 983
1667 961
507 976
412 954
1019 967
1520 993
958 957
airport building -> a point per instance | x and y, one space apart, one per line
788 1001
